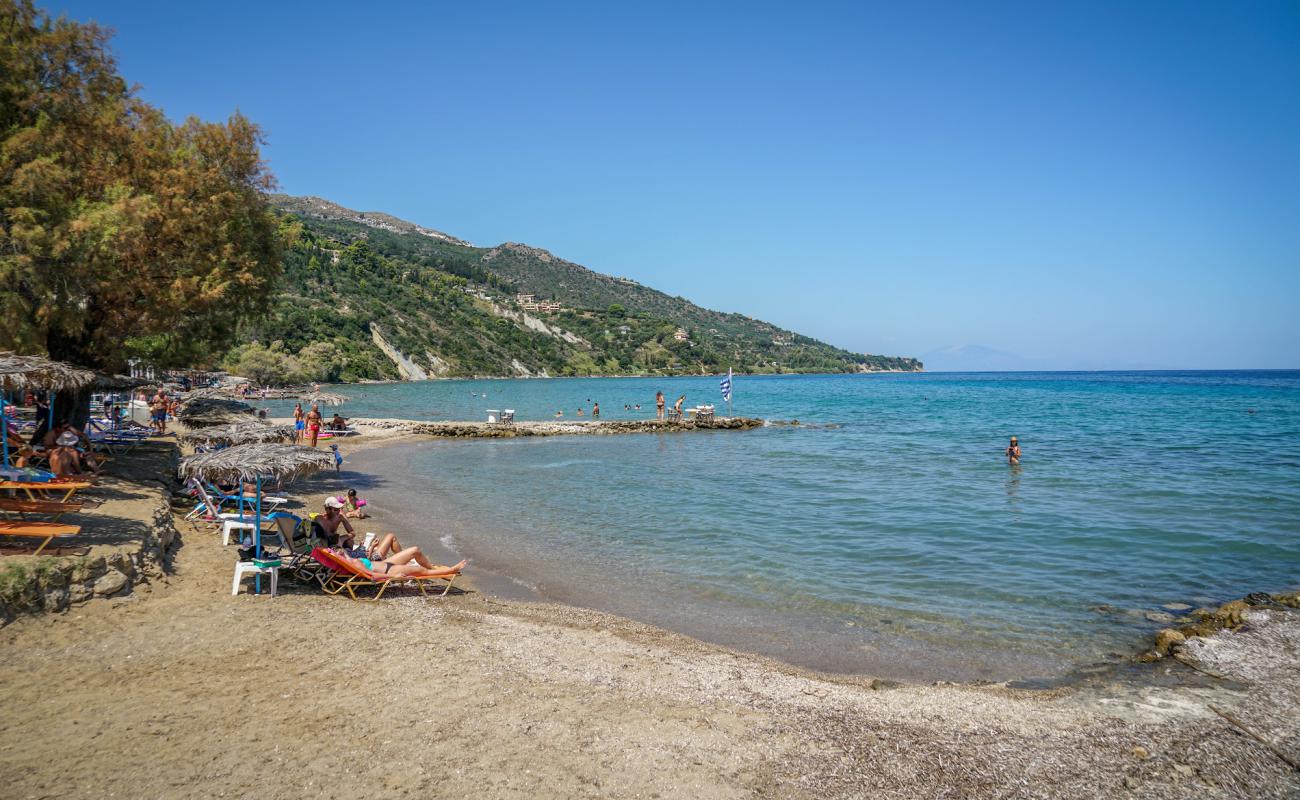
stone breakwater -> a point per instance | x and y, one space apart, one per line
487 430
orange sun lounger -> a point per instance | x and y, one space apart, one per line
54 507
38 530
346 576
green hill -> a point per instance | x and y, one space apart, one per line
372 296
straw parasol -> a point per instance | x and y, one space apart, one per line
205 412
19 373
249 432
121 382
253 462
247 462
325 398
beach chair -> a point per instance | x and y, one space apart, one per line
297 542
46 531
343 575
211 500
25 507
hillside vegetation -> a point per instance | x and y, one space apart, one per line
367 295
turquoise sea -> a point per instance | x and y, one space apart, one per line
886 533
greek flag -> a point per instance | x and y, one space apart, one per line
726 386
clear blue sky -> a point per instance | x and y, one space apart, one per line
1103 185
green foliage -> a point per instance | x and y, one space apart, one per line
321 362
344 282
116 221
266 366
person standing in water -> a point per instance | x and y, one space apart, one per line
595 410
659 405
1013 452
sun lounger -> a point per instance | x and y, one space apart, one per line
344 575
46 488
297 542
45 531
24 507
210 502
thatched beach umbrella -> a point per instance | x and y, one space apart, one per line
118 382
253 462
19 373
250 432
204 412
325 398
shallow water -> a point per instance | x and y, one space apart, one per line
890 536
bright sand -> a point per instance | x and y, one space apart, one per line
183 691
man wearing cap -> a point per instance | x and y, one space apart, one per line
64 458
1013 452
326 526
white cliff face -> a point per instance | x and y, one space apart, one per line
408 369
539 326
438 368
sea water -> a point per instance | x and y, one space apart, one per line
886 532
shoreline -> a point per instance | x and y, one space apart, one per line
179 688
817 644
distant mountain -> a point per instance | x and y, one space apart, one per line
975 358
321 208
400 300
978 358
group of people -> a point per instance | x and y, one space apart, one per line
659 406
385 555
307 425
160 406
65 448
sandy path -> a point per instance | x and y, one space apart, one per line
184 691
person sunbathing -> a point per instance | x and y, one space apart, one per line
403 562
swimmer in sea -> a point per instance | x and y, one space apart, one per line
1013 452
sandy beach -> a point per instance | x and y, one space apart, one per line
180 690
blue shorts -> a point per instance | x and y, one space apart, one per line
299 425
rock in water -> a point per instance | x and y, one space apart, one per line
1167 640
1176 607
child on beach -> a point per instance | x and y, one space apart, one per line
352 506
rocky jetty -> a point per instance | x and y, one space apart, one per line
1202 623
488 430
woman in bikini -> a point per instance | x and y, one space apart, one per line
1013 452
659 405
401 562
